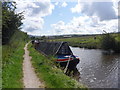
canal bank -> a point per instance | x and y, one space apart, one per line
52 76
97 70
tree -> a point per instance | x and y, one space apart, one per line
108 42
11 21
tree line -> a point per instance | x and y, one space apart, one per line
11 21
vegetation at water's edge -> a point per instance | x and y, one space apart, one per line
108 42
91 42
52 76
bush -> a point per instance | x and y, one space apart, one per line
108 42
117 47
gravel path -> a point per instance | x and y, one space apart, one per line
30 78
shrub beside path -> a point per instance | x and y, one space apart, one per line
30 78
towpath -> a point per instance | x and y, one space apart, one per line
30 78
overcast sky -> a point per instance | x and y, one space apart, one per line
45 17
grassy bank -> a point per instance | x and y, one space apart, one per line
12 58
86 41
0 66
49 73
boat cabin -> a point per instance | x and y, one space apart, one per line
54 48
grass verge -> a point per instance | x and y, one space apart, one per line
0 66
52 76
12 59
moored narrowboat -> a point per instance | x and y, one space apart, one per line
61 51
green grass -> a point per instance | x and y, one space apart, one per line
86 41
12 58
47 71
117 37
0 66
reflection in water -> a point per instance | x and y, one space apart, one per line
97 70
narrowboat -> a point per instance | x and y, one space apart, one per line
61 51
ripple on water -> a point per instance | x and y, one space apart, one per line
96 69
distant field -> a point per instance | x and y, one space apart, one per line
86 41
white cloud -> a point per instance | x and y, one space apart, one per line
33 23
115 6
95 18
33 14
77 8
64 4
59 27
85 25
104 10
56 3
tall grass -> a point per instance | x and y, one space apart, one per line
12 55
49 73
0 66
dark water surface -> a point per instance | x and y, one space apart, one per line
97 70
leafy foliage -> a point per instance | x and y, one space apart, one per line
11 21
109 42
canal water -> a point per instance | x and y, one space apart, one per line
97 69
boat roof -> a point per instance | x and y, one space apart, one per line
51 48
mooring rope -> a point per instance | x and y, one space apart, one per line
67 64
